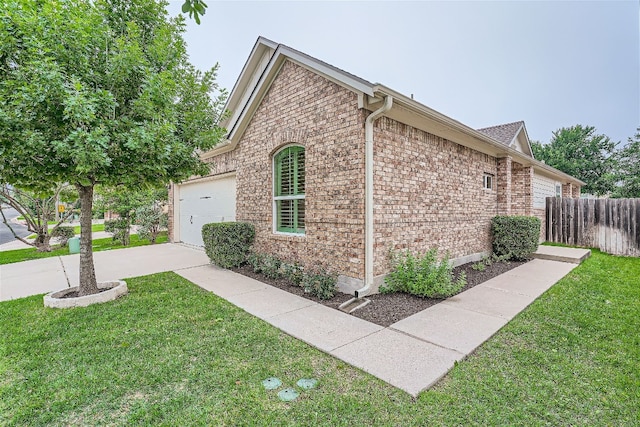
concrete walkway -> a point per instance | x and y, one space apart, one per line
51 274
411 354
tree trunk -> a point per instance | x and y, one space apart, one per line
88 283
43 243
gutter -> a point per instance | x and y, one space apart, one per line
454 124
368 213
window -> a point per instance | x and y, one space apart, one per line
558 189
487 181
288 198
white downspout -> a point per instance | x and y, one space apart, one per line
368 190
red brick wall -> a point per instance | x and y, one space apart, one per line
521 189
429 193
306 109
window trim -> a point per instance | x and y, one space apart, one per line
275 199
490 178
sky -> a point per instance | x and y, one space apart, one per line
552 64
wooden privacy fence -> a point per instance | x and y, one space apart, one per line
611 225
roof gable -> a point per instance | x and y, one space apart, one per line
513 135
260 70
267 58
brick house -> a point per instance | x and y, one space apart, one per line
334 170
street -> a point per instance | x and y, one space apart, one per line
5 234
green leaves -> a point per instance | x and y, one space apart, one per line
424 276
580 152
101 92
515 237
628 172
195 9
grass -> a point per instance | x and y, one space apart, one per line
104 244
170 353
94 228
76 229
52 222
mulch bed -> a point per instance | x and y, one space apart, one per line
386 309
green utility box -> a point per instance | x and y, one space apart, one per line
74 245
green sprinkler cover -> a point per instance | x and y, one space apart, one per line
271 383
288 394
307 383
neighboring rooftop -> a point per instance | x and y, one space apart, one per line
504 134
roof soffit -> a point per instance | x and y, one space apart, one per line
405 109
248 93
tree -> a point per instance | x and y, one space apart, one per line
580 152
151 220
100 92
125 203
628 173
37 210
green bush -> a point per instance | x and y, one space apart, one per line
486 261
515 237
254 260
119 228
293 272
227 244
63 233
151 220
268 265
422 276
320 283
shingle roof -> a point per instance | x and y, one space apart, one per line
503 133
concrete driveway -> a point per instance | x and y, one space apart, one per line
50 274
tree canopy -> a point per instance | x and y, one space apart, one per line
628 172
581 152
100 92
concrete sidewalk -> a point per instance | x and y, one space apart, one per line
50 274
411 354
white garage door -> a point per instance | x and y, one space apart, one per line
205 202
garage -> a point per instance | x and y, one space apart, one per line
203 202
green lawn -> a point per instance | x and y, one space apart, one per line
94 228
170 353
76 229
105 244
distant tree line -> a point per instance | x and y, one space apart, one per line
606 168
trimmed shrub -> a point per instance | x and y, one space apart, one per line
515 237
293 272
422 276
119 228
227 244
320 283
63 233
268 265
255 261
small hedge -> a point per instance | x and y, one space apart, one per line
64 233
515 237
227 244
320 283
424 276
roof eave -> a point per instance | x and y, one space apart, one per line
498 147
278 58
